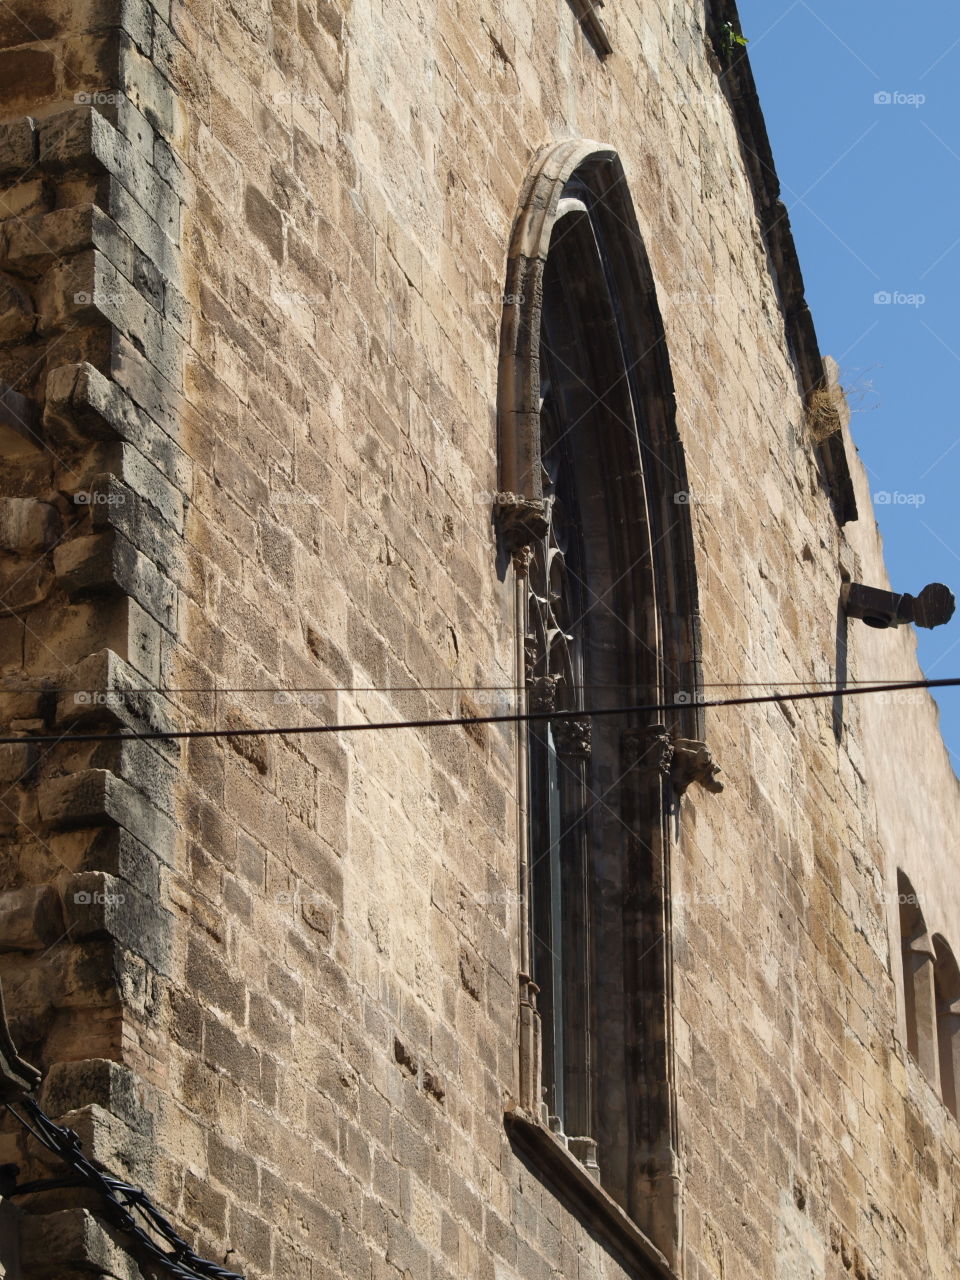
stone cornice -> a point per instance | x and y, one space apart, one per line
739 87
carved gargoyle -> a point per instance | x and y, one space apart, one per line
682 760
693 762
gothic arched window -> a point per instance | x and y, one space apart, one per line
594 514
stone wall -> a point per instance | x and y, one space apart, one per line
253 289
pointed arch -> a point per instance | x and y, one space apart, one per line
594 513
593 173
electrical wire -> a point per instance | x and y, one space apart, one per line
18 690
121 1200
514 718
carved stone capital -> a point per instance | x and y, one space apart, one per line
572 737
542 693
693 762
648 750
522 522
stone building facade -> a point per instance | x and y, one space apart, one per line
276 280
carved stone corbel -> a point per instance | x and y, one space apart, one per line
522 522
542 693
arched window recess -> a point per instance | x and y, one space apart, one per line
946 974
594 519
918 958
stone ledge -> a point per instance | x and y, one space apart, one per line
98 798
100 563
69 1245
82 403
599 1213
82 139
107 689
98 905
18 146
68 1086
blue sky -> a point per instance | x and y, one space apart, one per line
862 103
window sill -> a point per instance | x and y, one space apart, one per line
555 1165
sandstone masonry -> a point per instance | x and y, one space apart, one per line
253 259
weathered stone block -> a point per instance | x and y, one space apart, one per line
104 687
108 563
68 1086
18 147
82 401
27 525
53 1244
82 139
98 905
31 918
97 797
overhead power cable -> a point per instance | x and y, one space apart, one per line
17 690
127 1208
452 721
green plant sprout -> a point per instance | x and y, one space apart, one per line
731 39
